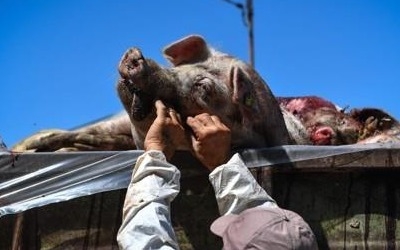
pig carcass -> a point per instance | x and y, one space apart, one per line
201 79
316 121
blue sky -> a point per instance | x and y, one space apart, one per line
58 59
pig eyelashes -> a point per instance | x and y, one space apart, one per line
202 88
203 82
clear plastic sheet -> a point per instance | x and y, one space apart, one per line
326 157
31 180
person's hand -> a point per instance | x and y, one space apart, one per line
166 132
211 140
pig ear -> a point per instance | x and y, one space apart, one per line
242 89
258 106
190 49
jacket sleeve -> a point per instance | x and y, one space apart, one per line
236 189
146 222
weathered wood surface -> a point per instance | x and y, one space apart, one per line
354 209
351 210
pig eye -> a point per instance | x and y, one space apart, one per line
201 80
342 122
197 79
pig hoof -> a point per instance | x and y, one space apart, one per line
132 64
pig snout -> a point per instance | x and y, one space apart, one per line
322 135
141 82
132 66
132 69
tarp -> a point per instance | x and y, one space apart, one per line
29 180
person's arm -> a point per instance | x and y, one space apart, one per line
146 222
235 187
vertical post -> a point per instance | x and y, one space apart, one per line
250 28
18 230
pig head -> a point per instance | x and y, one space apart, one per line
316 121
201 79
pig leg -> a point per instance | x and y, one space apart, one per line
113 133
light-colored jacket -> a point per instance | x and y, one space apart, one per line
146 220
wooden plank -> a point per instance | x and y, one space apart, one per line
345 210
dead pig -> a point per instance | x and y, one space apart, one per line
201 80
316 121
320 121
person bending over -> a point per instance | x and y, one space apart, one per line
250 218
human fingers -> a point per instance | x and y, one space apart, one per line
161 109
194 122
217 122
175 116
196 125
211 140
205 119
